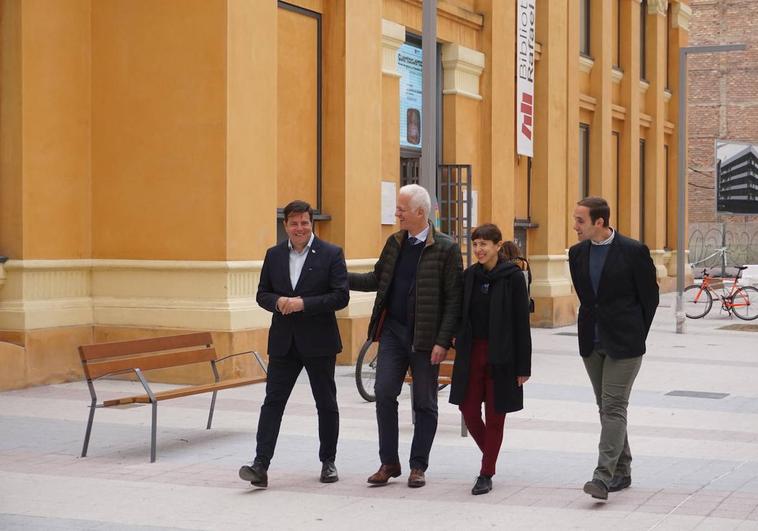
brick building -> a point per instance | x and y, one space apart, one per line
722 95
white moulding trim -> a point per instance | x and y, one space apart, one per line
132 264
462 68
585 64
681 14
393 37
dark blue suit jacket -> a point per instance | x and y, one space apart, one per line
323 288
625 303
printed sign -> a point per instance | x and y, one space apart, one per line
525 77
410 66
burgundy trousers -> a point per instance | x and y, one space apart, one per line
487 432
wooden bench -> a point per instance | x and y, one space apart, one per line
108 359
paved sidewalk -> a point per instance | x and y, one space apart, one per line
695 467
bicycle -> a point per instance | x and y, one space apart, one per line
698 298
365 370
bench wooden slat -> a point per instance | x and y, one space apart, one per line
446 370
142 346
159 361
184 391
442 380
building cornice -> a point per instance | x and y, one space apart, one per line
462 68
454 13
657 7
681 15
393 37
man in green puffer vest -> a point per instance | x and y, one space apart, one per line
418 280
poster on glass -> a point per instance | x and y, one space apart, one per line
736 177
410 66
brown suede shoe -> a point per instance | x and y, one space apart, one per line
416 479
384 473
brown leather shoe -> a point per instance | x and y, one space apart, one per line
384 473
416 479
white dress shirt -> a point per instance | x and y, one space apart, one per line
297 259
421 236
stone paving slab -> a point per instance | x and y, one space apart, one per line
695 466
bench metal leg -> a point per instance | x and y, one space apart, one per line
89 428
154 403
210 414
152 432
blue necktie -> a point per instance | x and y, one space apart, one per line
413 241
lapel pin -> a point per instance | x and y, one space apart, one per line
313 251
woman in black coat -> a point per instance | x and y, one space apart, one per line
493 347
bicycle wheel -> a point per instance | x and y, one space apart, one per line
745 303
365 370
697 302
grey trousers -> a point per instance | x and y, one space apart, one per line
612 381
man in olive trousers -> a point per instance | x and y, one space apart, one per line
614 278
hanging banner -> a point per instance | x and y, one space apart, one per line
525 77
410 67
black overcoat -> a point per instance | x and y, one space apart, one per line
509 342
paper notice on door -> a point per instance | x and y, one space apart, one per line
389 198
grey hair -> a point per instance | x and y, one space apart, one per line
419 197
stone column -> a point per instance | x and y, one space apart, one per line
629 148
498 167
352 112
393 37
655 170
551 288
251 139
680 27
602 176
461 103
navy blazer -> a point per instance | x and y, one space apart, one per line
626 300
323 288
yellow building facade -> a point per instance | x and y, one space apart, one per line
146 146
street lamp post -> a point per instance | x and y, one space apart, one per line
428 174
682 175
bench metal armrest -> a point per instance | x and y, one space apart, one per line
144 383
254 353
91 384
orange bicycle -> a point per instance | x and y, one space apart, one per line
740 300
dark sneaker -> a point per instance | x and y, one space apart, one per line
619 483
328 472
482 486
596 489
255 473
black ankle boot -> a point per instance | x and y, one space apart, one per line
482 486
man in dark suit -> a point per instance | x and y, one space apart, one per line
614 278
303 282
